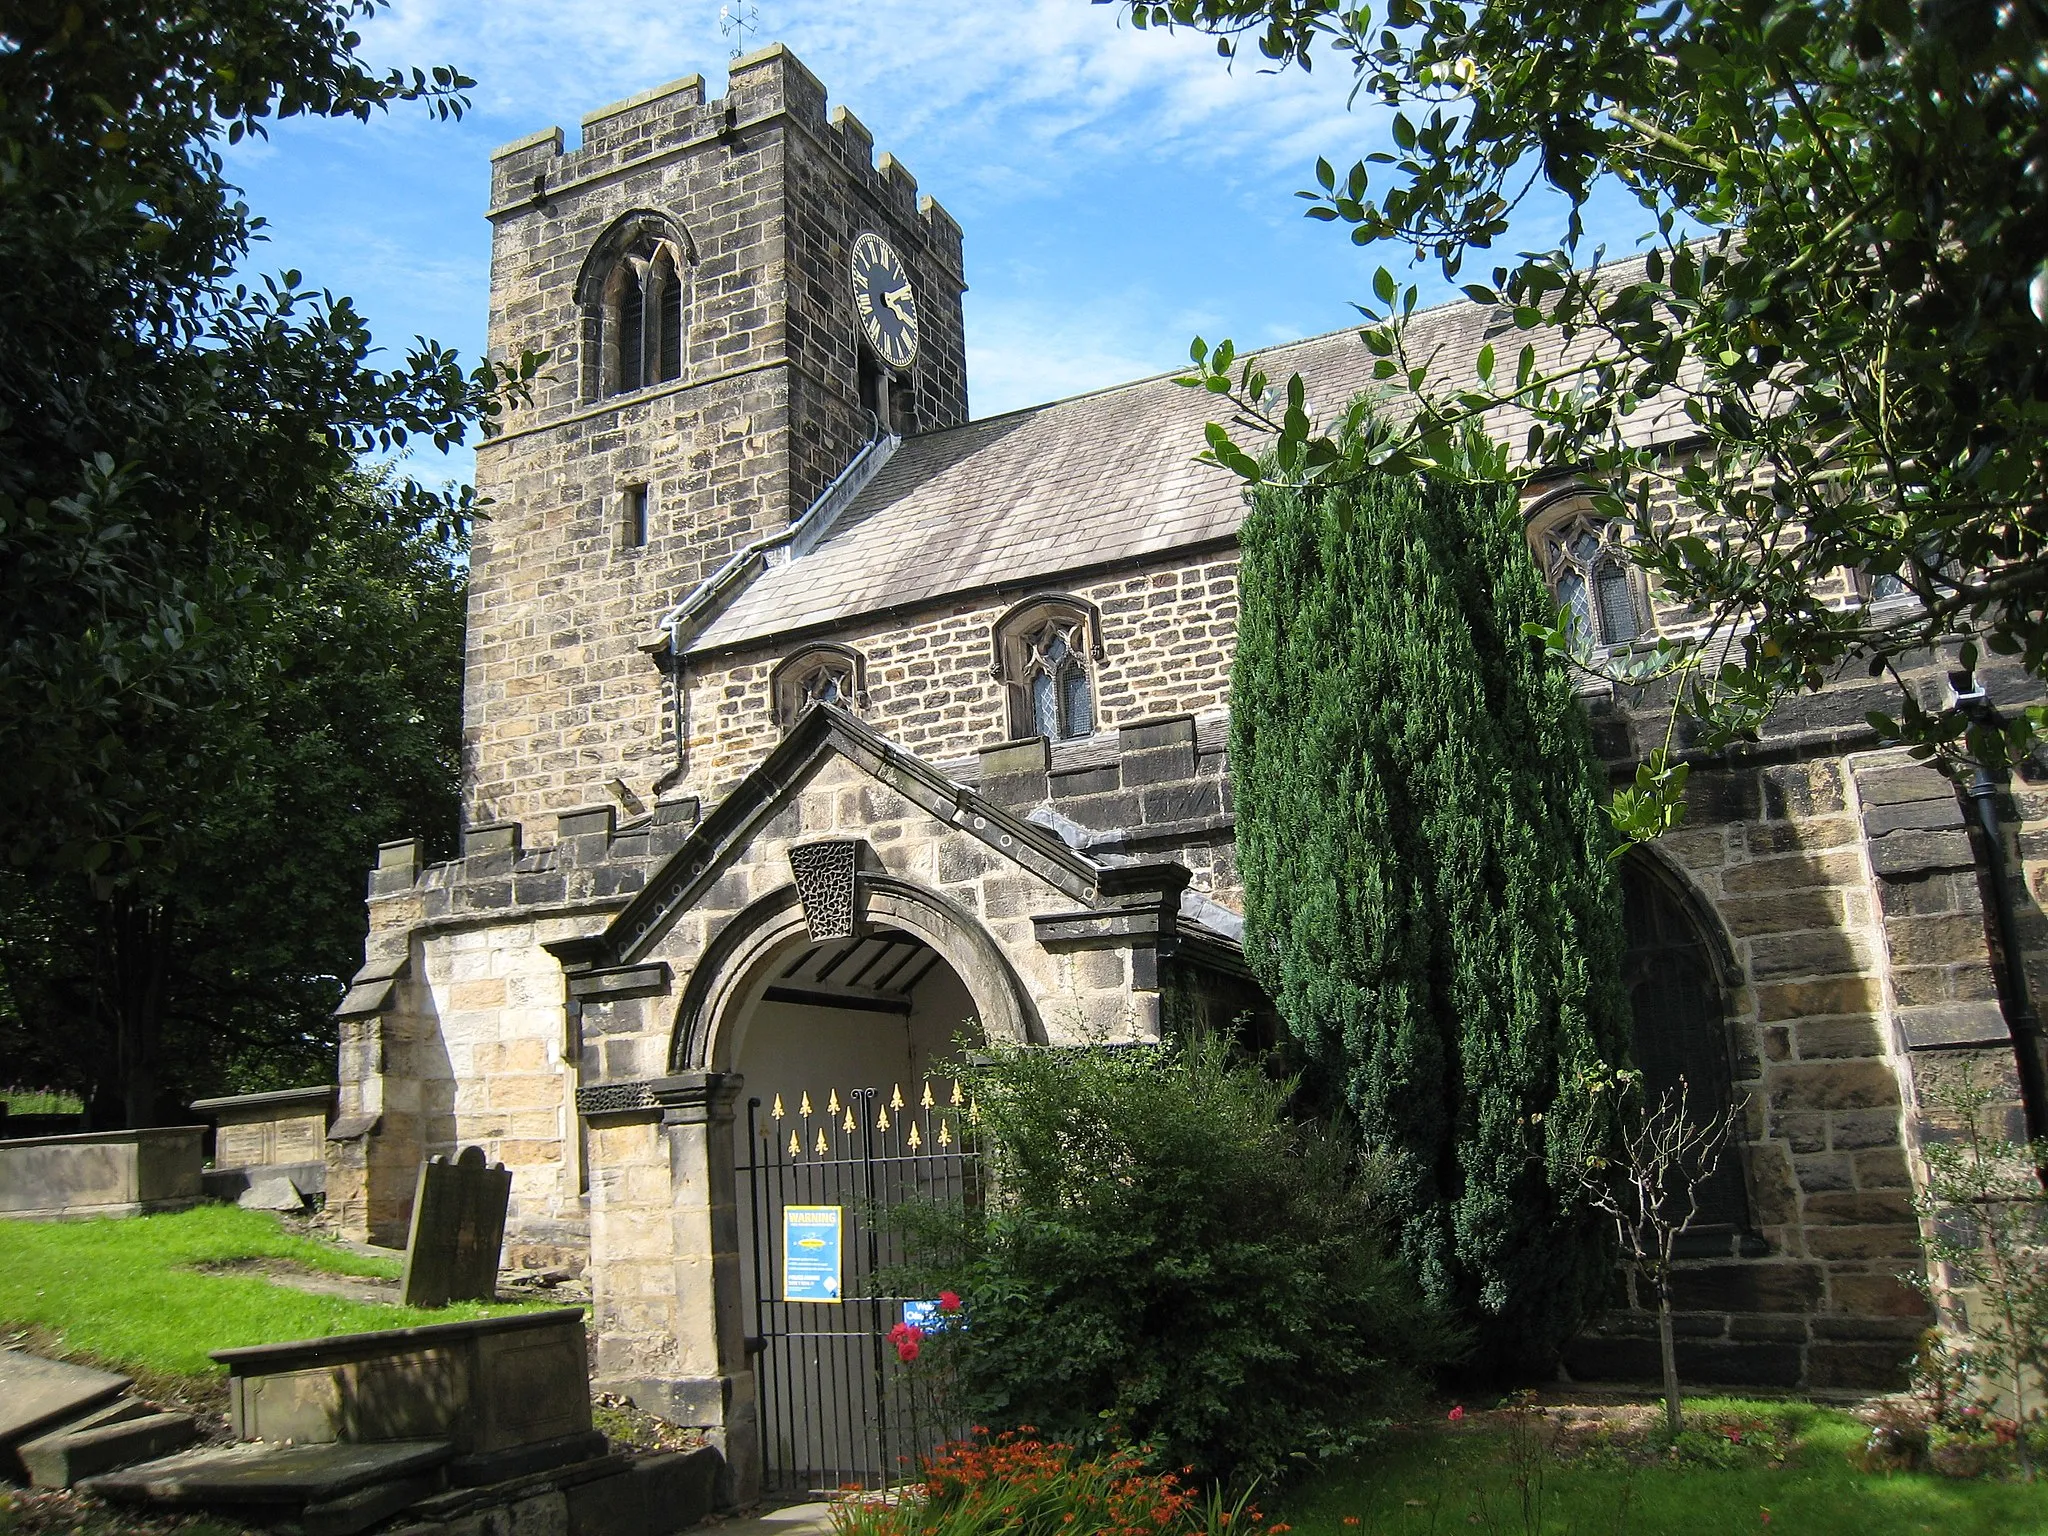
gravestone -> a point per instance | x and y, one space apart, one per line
458 1229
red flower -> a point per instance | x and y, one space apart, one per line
907 1349
949 1301
1458 1414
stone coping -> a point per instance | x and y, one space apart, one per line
277 1098
300 1354
109 1138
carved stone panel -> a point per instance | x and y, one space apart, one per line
824 875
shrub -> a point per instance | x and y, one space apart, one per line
1987 1231
1165 1258
1428 897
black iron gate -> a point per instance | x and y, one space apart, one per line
838 1406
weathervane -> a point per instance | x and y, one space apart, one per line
737 21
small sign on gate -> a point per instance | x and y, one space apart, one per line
811 1252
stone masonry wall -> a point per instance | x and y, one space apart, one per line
768 194
1167 633
1780 858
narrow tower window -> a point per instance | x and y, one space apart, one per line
633 523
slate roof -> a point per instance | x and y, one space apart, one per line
1096 480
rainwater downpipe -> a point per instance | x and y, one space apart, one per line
2016 1000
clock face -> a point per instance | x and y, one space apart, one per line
881 291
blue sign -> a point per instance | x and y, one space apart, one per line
810 1252
926 1315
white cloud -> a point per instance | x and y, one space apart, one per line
1004 85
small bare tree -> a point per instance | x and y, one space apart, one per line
1648 1181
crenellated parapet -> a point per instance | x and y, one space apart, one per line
769 85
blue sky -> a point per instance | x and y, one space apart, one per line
1121 191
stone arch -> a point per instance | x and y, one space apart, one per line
1647 862
745 951
1682 980
636 276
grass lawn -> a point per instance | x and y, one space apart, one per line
128 1292
1794 1472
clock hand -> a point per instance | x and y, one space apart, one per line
898 299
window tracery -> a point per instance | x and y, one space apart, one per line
819 674
1045 654
1593 580
634 292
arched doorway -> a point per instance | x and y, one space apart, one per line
847 1114
1679 1029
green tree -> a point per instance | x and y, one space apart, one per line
172 443
1843 295
1428 896
220 973
1168 1258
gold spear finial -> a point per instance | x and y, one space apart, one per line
823 1145
777 1110
804 1108
882 1118
914 1141
927 1101
896 1096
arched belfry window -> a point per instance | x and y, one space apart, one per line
1678 1026
1045 654
1594 581
634 291
818 674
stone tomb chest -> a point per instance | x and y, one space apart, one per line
265 1135
101 1173
499 1390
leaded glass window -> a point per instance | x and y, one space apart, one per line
1592 580
1062 706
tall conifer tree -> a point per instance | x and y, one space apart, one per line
1428 896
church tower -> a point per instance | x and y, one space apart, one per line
718 287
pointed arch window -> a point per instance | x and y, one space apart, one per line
1593 580
1045 653
818 674
1678 1027
635 289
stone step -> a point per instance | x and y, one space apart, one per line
119 1411
279 1478
38 1395
61 1459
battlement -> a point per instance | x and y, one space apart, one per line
769 84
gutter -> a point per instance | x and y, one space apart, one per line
2022 1022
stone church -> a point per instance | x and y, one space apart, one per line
807 719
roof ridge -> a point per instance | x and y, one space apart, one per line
1181 368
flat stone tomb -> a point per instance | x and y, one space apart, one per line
500 1390
101 1173
458 1231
